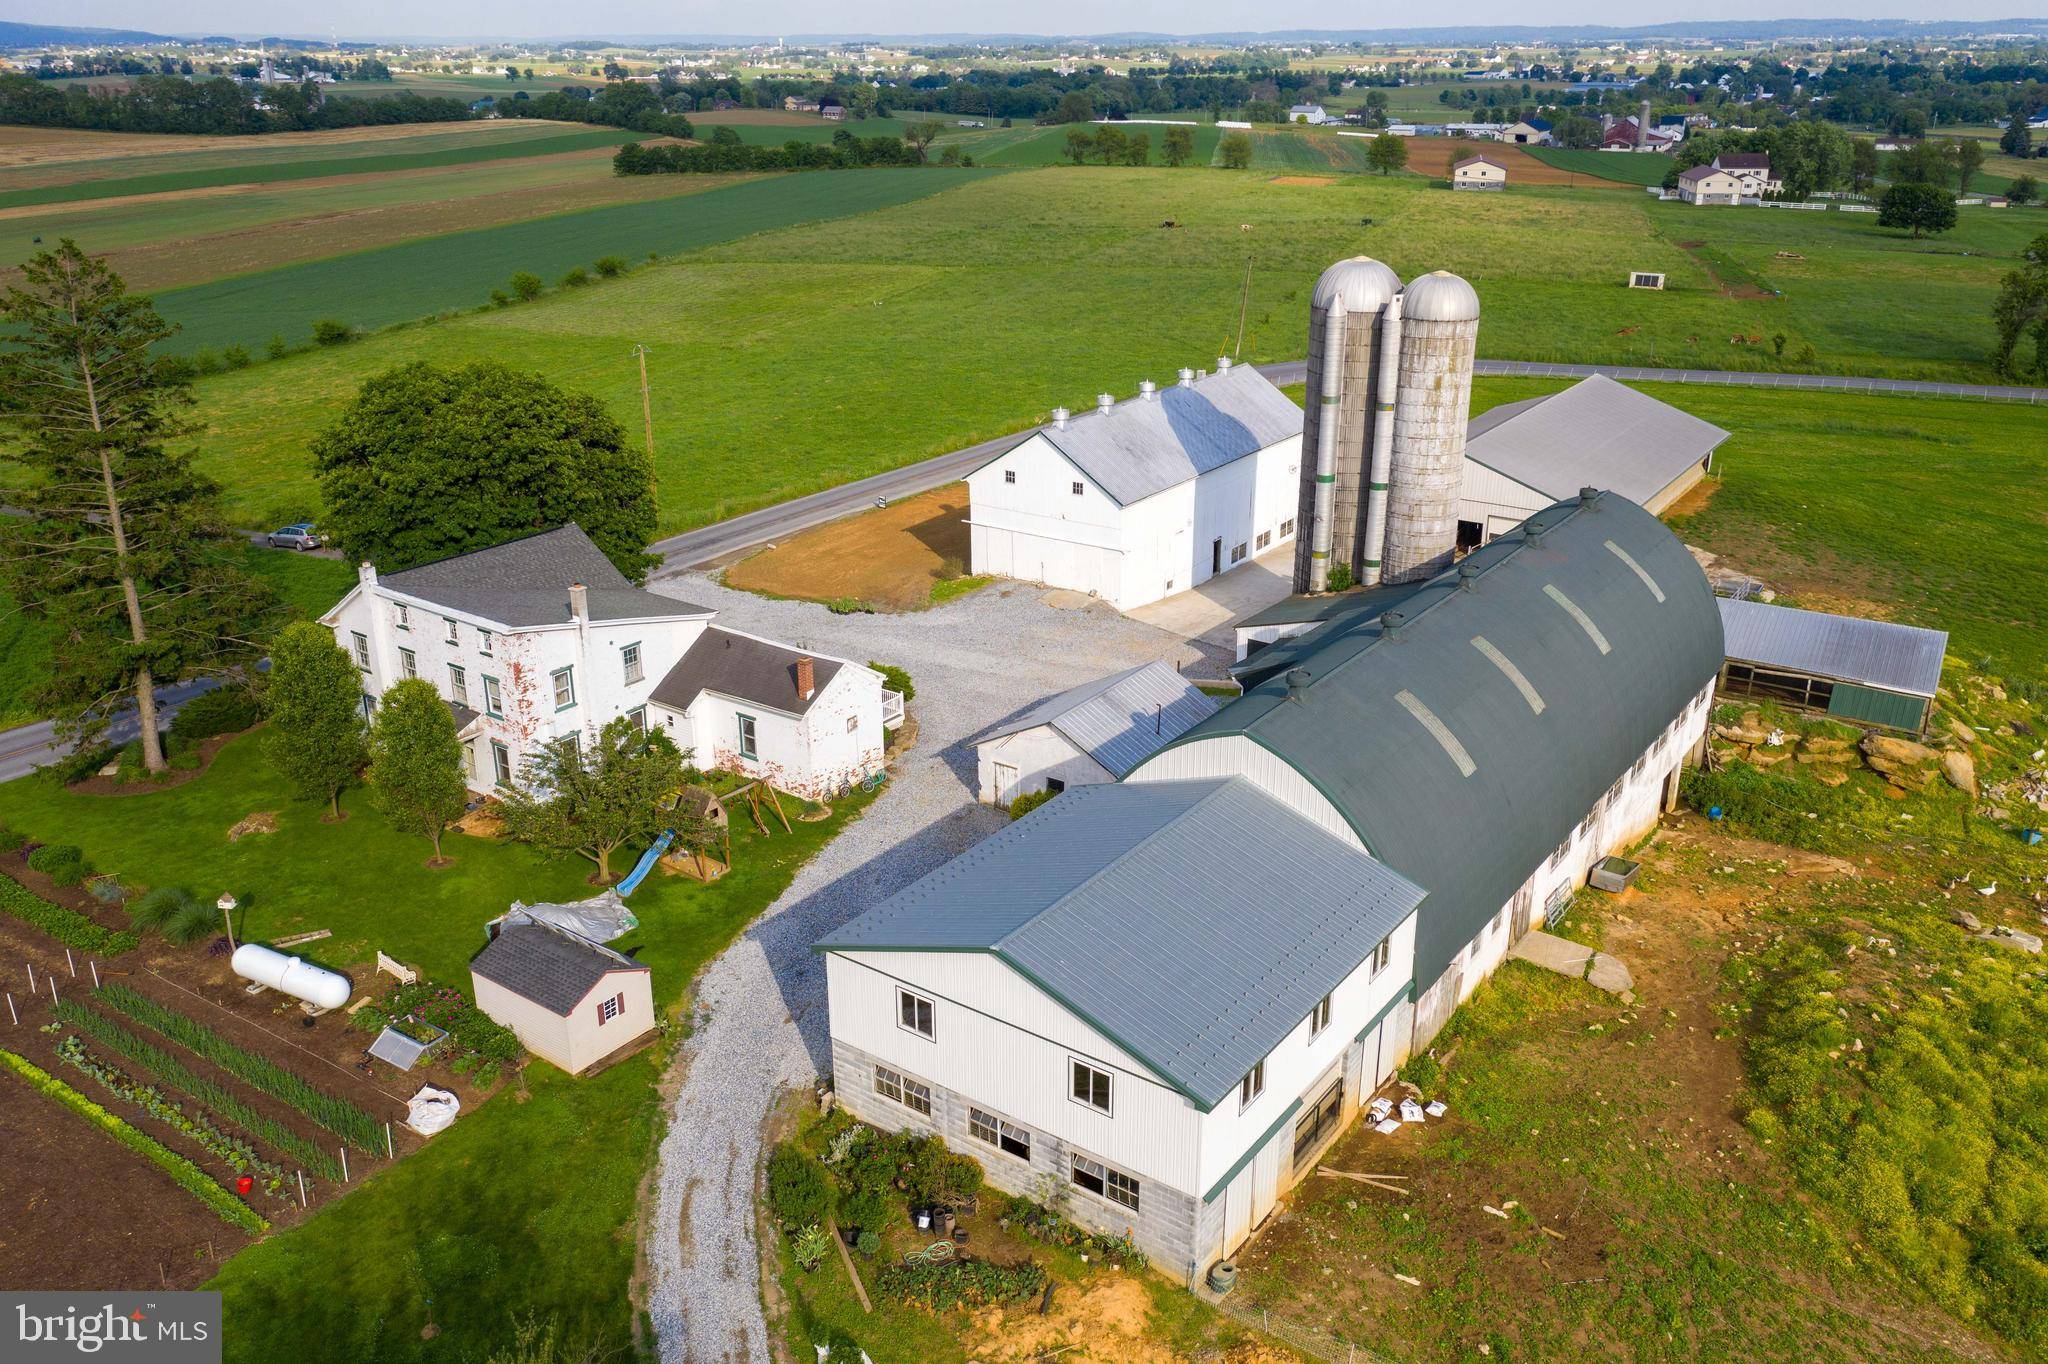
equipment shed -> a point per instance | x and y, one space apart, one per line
1870 672
1095 732
571 1001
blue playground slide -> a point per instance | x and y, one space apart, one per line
646 863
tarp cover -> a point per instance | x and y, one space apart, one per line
600 918
431 1110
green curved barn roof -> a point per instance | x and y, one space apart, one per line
1464 747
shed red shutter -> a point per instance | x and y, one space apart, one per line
600 1013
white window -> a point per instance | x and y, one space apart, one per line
853 724
1265 538
1287 527
1006 1137
1252 1085
914 1014
1381 955
747 749
1077 487
501 764
454 635
458 685
408 663
893 1085
1090 1086
492 699
611 1008
1236 553
1009 475
484 644
629 658
1105 1182
403 614
362 648
565 688
1319 1017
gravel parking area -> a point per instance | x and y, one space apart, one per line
975 661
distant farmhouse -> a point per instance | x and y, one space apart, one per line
1307 113
1709 185
1479 172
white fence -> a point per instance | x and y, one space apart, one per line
1789 203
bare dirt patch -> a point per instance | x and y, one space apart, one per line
890 557
1434 156
1694 500
1304 180
1109 1320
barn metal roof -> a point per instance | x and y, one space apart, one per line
1597 433
1194 924
1874 653
1463 748
1120 720
1143 446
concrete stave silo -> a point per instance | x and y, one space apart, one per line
1345 315
1439 329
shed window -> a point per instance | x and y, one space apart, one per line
1105 1182
1265 538
1252 1085
611 1008
1077 487
1287 527
1090 1086
1236 553
914 1014
1382 955
853 724
1009 475
1006 1137
401 613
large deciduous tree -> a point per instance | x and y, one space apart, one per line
1920 209
416 762
1387 153
313 699
123 550
588 800
2021 308
429 462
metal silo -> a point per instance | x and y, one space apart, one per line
1439 327
1344 319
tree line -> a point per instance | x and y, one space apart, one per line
722 155
174 104
622 104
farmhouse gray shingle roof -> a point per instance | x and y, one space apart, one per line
1692 175
550 966
1122 719
525 582
1144 446
1427 742
740 666
1194 924
1743 161
1874 653
1597 434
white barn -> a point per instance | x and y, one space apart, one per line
1142 499
1095 732
543 637
1172 993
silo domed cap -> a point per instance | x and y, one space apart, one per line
1440 296
1358 285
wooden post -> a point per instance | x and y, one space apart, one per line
95 972
344 1164
69 964
53 990
31 977
387 1142
302 1188
776 801
10 1009
859 1289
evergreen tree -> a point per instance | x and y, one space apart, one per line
313 698
123 551
416 762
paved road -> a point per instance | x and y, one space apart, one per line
698 547
29 747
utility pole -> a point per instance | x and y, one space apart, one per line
646 401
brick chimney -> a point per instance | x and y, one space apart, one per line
806 677
579 602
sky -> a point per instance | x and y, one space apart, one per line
549 18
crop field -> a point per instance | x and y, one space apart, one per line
1305 153
1628 168
418 278
366 159
457 87
967 314
1033 146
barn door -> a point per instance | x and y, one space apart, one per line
1525 902
1006 783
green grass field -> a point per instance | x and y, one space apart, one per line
810 131
315 167
882 338
527 1203
1306 153
457 87
1033 146
1627 168
371 289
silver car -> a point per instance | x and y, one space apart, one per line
298 535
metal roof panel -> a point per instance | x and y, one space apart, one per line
1875 653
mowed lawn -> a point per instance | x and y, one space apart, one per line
369 289
529 1200
793 360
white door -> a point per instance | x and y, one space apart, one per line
1006 783
1265 1181
1237 1210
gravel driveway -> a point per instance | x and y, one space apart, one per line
976 661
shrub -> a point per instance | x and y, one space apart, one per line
12 840
181 1170
65 925
224 710
1340 577
865 1210
159 907
609 266
276 348
526 285
80 763
576 278
237 357
369 1018
849 606
797 1191
895 679
330 331
867 1243
1029 801
63 863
